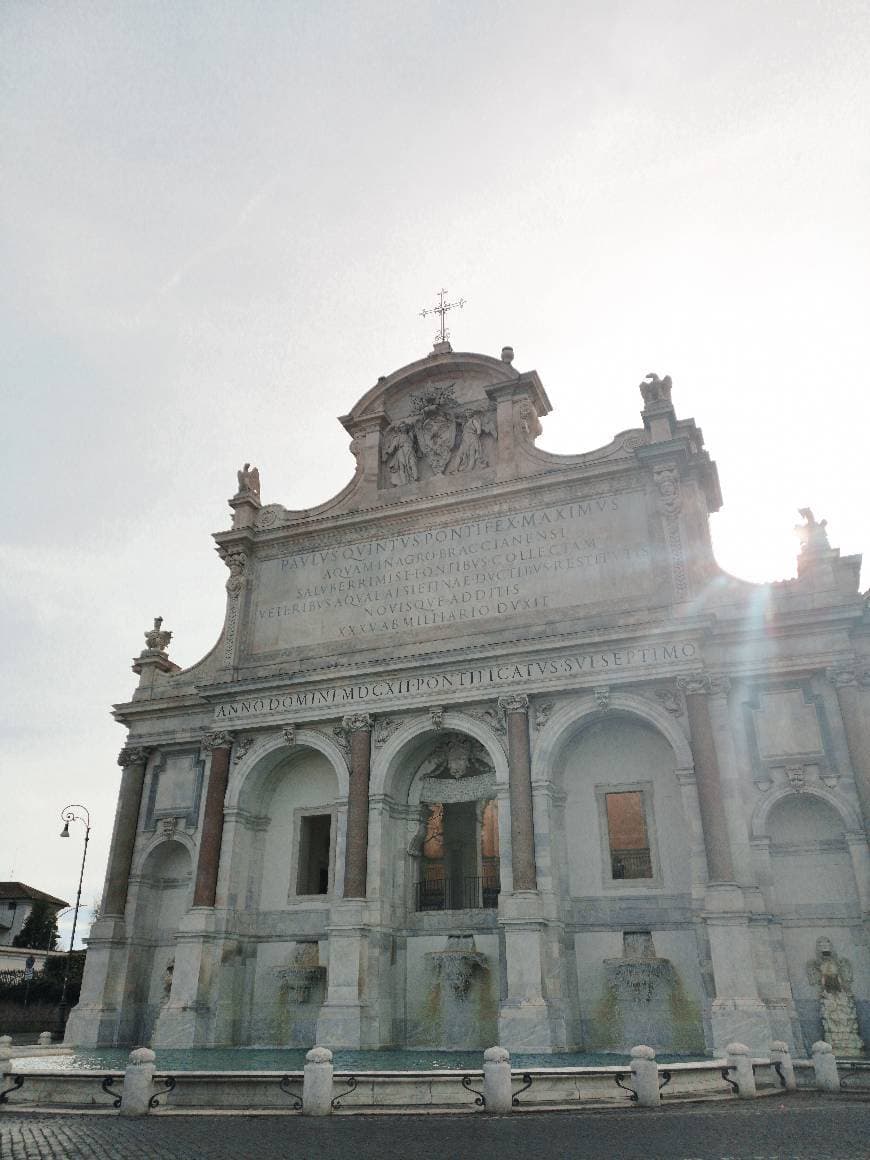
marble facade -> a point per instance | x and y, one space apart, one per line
384 810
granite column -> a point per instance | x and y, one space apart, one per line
213 819
358 730
133 761
516 711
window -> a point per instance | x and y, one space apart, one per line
314 840
460 863
627 835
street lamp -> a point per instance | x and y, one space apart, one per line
68 813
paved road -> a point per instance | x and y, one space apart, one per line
802 1127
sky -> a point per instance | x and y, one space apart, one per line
220 221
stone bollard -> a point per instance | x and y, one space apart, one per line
497 1079
825 1063
138 1082
740 1063
645 1073
44 1039
5 1054
779 1053
317 1083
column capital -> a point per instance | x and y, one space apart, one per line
133 755
217 740
704 684
514 703
355 722
842 675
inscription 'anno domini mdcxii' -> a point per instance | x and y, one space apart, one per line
544 672
579 552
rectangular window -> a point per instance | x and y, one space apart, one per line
627 833
314 840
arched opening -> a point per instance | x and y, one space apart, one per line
815 896
458 850
164 896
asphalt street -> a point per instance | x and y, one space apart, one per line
800 1127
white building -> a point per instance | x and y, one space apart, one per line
491 750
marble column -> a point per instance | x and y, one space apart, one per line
95 1020
516 711
857 730
737 1013
713 820
358 729
132 761
213 819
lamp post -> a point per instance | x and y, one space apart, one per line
68 813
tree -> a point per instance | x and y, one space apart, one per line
40 928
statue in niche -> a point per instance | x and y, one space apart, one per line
249 480
656 390
471 454
812 534
456 756
833 977
400 454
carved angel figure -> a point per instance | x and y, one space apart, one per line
470 453
400 454
249 480
656 390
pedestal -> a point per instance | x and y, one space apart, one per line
737 1014
342 1021
526 1020
184 1020
94 1021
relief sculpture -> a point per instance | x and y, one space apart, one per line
446 437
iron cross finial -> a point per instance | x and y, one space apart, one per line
441 309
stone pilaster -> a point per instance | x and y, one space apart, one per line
208 860
857 730
358 729
516 711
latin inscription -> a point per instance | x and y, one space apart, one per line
510 565
608 663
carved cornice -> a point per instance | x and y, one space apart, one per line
133 755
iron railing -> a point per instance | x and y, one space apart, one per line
630 864
479 893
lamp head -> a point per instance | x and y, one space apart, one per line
65 831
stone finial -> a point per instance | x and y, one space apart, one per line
642 1052
140 1055
507 354
317 1082
157 639
319 1055
496 1055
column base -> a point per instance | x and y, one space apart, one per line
179 1027
740 1021
526 1026
92 1027
340 1025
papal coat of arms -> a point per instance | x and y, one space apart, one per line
435 425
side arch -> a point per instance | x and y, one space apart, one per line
267 752
761 814
566 721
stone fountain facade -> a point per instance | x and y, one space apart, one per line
490 749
